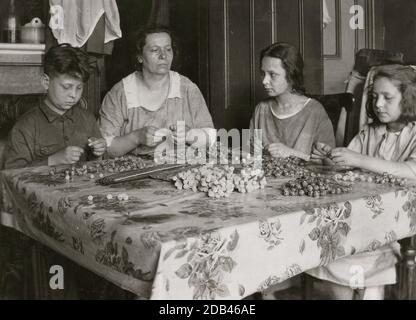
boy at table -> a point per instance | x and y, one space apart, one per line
60 130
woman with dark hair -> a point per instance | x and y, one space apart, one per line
146 105
290 122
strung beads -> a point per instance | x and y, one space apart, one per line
314 187
384 178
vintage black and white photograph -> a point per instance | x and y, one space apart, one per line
221 150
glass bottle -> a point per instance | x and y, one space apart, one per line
11 25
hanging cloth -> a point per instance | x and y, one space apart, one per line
80 18
326 19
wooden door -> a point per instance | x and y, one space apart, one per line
237 31
341 42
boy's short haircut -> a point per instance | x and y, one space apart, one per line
65 59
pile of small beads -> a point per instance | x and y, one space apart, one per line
99 168
284 167
75 171
120 164
220 181
315 186
384 178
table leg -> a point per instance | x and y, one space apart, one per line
407 270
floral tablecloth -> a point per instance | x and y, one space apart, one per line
163 243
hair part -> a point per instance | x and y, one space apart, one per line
404 79
292 62
65 59
140 42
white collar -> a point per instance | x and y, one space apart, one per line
289 115
133 96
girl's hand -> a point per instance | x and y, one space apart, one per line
320 151
98 146
346 157
279 150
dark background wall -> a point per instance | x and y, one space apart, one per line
183 18
220 42
238 31
400 27
133 15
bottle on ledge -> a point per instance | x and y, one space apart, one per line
10 30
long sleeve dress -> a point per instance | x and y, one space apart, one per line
379 264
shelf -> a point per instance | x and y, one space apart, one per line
21 54
22 46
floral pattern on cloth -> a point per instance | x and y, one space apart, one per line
40 218
410 208
164 243
271 233
293 270
112 257
269 282
332 223
42 179
213 209
375 204
63 205
208 259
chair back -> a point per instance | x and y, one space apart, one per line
365 59
339 107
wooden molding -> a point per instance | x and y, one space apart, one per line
273 21
226 54
301 29
21 54
338 33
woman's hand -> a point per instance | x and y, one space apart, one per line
69 155
179 133
150 136
346 157
279 150
98 146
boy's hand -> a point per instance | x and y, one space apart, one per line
98 146
69 155
346 157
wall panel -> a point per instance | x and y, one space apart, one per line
238 31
